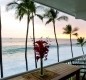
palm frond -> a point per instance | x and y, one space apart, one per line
76 34
40 17
23 7
11 5
53 13
20 12
32 7
48 21
63 18
67 29
66 32
75 29
18 16
80 40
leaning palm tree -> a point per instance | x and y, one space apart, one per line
52 16
28 8
33 9
22 7
81 41
69 31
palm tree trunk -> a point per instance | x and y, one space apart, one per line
82 49
71 46
34 40
1 64
26 43
56 40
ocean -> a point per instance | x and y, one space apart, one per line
13 50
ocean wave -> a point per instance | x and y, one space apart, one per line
17 49
12 50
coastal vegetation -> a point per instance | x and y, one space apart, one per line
25 7
70 31
81 41
28 8
22 7
52 16
33 10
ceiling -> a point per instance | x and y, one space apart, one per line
76 8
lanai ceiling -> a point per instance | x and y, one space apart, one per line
76 8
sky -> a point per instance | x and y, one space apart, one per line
13 28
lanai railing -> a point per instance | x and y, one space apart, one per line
78 61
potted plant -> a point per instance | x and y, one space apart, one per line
41 49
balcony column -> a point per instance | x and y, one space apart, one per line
1 65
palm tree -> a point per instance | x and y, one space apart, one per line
81 41
22 7
28 8
33 9
1 64
69 31
52 16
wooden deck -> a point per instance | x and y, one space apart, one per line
62 70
